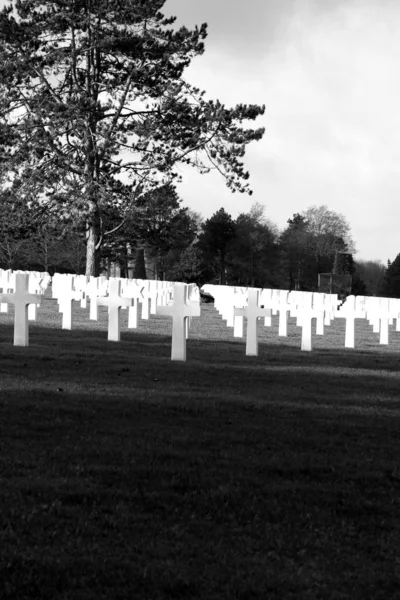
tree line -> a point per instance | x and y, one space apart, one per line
161 239
251 251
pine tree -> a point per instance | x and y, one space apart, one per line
253 252
391 283
93 95
139 271
343 264
218 232
298 258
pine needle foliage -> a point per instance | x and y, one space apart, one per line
93 98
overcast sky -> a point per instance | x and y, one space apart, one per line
328 73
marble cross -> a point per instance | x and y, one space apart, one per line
21 298
66 295
114 302
252 312
180 310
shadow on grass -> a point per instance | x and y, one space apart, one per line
126 475
84 362
109 497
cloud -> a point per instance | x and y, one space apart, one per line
328 74
239 29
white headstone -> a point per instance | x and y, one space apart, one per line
252 312
180 310
266 301
66 294
114 302
21 298
307 314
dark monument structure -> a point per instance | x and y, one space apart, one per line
330 283
340 280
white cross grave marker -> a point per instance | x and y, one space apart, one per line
145 297
133 290
319 307
283 308
305 316
266 301
21 298
91 292
5 284
373 310
180 310
67 294
351 310
385 315
240 301
252 312
38 283
114 302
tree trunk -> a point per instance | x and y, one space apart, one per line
140 269
298 285
46 255
130 263
150 263
93 253
160 267
252 279
222 271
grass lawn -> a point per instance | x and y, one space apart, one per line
126 476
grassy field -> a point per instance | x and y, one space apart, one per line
126 476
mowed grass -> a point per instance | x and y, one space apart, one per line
127 476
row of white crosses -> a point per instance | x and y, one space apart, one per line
306 306
182 302
25 290
380 313
236 303
113 293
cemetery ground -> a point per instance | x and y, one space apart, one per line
125 475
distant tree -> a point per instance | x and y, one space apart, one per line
372 272
342 274
390 287
163 224
156 225
18 222
327 227
158 218
215 239
72 253
325 247
343 264
252 252
33 238
192 267
43 248
298 262
197 221
309 245
358 286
